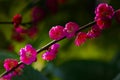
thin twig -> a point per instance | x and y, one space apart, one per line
25 23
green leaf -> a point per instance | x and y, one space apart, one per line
30 73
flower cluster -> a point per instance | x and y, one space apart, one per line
58 32
20 31
38 13
70 30
27 56
104 14
17 19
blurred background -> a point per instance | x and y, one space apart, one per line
97 59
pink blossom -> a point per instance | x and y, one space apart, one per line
10 63
104 10
54 48
56 32
48 56
28 54
70 29
104 14
51 53
81 38
94 32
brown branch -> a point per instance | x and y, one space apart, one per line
47 46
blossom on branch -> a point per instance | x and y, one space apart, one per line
28 54
104 14
8 65
70 29
81 38
51 53
94 32
17 19
56 32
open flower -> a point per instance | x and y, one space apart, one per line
8 65
28 54
56 32
104 10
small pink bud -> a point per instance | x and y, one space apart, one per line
51 53
17 19
81 38
49 56
94 32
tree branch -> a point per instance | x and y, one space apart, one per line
47 46
25 23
